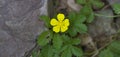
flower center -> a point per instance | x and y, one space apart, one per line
60 23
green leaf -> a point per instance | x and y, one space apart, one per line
65 38
90 18
42 38
34 54
57 41
77 51
40 55
97 3
116 55
116 8
74 19
75 41
115 47
86 10
46 20
64 48
81 1
47 51
56 55
80 19
72 32
81 28
72 16
106 53
87 13
66 53
51 34
77 27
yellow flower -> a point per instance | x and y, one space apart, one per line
61 24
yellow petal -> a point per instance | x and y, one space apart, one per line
60 17
56 29
53 22
64 28
66 22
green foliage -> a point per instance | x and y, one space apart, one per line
72 32
86 10
97 3
67 44
77 51
75 41
113 50
72 50
57 41
85 15
90 18
70 41
116 8
69 49
72 17
47 51
115 47
62 45
82 28
81 1
56 55
42 39
80 18
67 53
106 53
88 13
77 24
46 20
34 54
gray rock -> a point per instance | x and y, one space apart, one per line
118 18
113 1
102 25
20 25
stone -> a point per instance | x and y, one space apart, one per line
20 25
113 1
102 25
118 18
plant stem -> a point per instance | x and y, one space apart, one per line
96 14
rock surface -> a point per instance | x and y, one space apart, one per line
117 19
113 1
20 25
102 25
